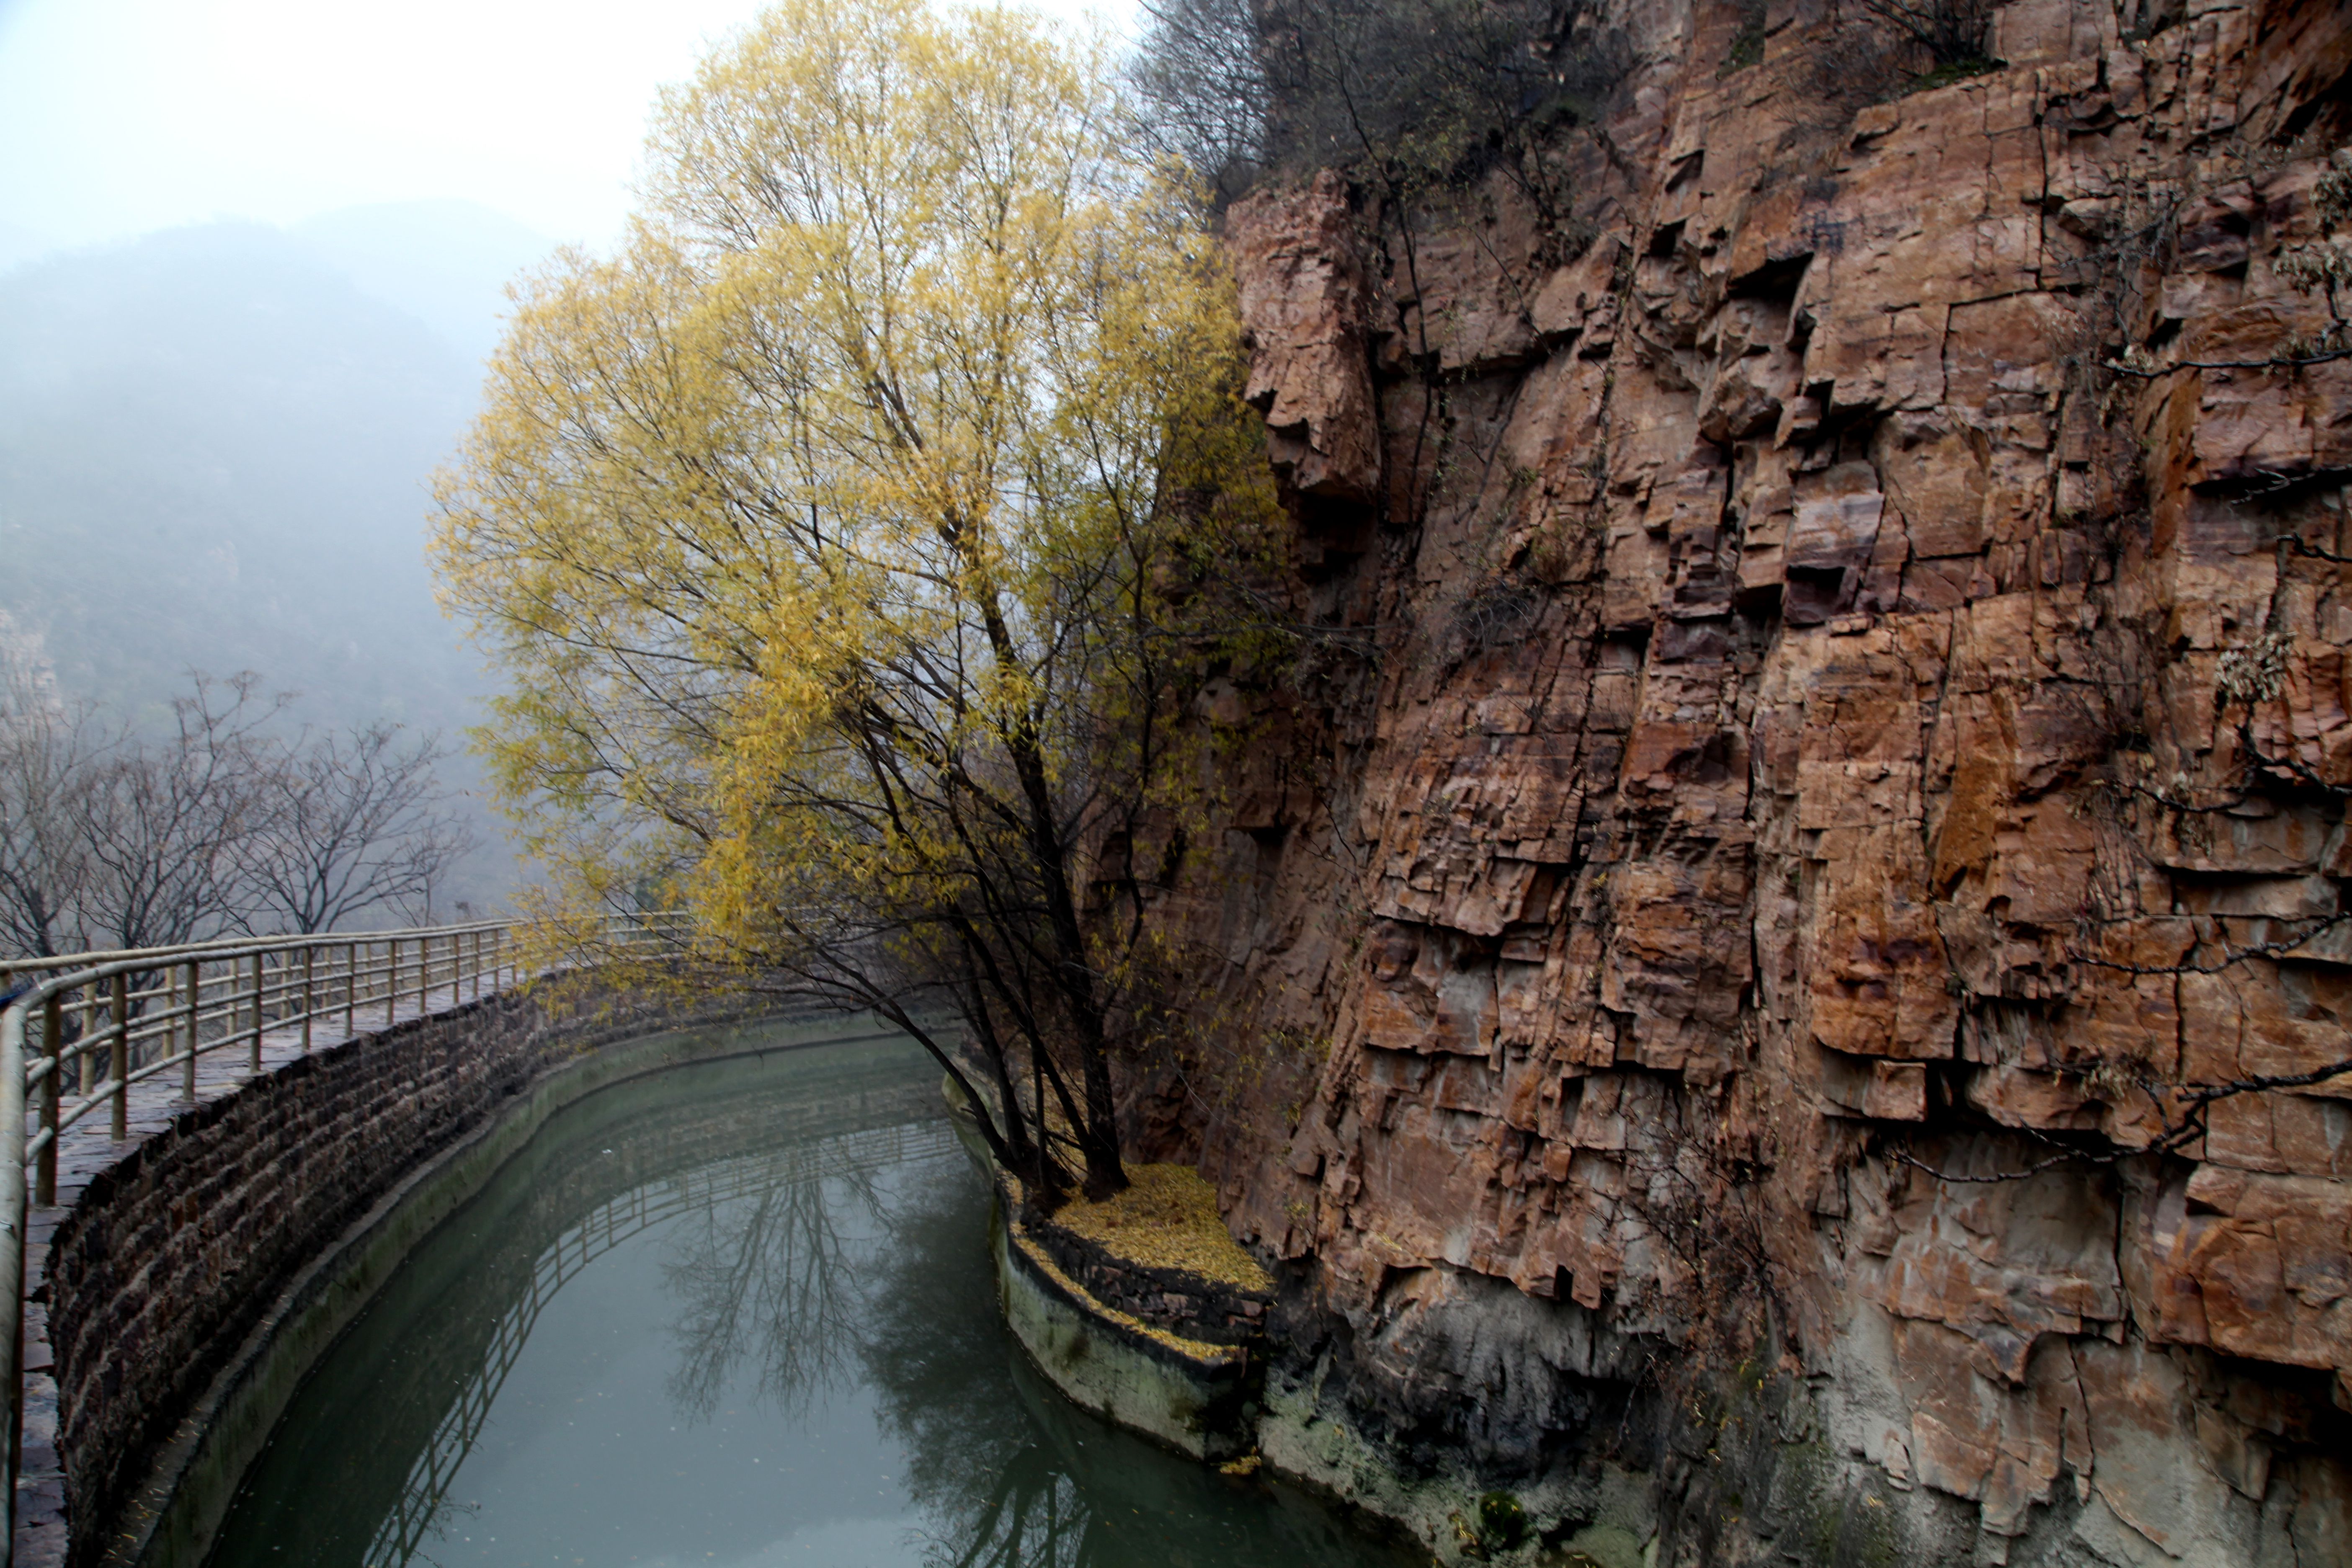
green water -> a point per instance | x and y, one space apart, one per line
737 1314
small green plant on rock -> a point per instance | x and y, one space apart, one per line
1502 1522
1747 45
1957 70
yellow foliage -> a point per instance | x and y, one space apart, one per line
836 535
866 432
1166 1218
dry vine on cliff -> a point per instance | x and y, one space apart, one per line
1419 95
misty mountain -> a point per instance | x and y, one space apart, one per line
19 244
215 446
446 263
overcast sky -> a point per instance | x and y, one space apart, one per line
118 117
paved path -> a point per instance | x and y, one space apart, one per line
87 1148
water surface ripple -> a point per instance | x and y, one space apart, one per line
738 1314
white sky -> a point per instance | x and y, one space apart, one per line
118 117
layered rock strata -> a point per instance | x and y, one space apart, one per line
1768 947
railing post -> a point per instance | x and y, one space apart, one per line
194 977
254 1059
12 1250
309 965
350 989
88 1073
122 1061
53 1045
392 984
424 975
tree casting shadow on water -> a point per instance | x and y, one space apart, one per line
1008 1473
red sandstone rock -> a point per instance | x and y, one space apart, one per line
1304 297
1855 791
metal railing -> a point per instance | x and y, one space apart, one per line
78 1032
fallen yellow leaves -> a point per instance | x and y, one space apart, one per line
1167 1218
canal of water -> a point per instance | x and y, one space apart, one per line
734 1315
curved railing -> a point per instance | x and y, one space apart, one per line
79 1032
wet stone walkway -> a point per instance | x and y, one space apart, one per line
85 1151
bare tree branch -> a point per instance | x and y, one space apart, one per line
113 839
355 822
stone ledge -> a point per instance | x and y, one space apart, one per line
1176 1299
1195 1397
1207 1356
1195 1393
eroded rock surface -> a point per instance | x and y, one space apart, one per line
1843 764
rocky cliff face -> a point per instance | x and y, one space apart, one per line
1771 951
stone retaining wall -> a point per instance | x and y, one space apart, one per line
163 1268
1191 1394
1172 1298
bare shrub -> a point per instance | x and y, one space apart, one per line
1494 615
353 824
1202 71
1871 50
46 754
166 821
1943 35
1419 92
111 838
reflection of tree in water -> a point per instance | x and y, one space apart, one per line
428 1361
776 1274
1036 1517
975 1460
822 1277
1010 1475
815 1275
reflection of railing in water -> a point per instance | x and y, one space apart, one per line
78 1032
423 1495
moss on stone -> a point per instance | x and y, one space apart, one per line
1502 1522
1603 1546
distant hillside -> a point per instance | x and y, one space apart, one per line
446 263
19 244
214 448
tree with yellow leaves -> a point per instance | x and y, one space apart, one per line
844 539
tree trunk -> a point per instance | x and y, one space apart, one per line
1099 1137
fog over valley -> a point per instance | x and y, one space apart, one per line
216 449
253 255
